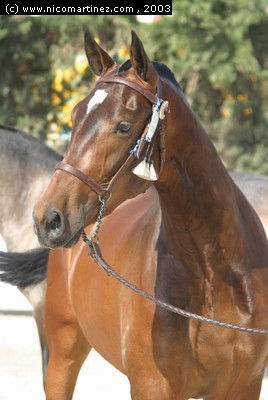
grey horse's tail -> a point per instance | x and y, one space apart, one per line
24 269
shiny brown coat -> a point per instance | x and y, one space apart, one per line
203 250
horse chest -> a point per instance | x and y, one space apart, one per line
103 306
94 303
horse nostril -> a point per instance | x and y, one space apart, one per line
53 220
54 223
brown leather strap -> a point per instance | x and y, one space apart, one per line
121 171
138 88
97 188
95 253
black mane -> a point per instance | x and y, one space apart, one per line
166 73
160 68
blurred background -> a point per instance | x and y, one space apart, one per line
217 49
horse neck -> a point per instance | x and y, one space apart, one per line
197 196
16 205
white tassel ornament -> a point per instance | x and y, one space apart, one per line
145 170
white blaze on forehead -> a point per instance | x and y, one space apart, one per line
98 98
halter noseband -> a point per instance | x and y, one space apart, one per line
103 189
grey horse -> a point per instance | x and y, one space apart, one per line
26 165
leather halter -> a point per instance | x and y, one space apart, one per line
105 189
138 88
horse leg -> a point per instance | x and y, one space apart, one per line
38 314
36 296
67 345
146 380
67 351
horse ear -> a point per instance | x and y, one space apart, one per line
138 57
99 61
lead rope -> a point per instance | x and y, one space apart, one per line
95 253
94 238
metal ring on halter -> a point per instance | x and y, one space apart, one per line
105 198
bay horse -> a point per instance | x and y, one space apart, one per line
198 245
33 162
26 166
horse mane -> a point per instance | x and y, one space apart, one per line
167 74
160 68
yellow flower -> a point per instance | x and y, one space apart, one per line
54 128
226 112
55 100
58 76
229 98
67 94
67 109
123 52
67 120
247 111
68 74
81 64
242 98
57 86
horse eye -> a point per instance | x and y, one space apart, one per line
123 127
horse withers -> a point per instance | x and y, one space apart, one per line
202 249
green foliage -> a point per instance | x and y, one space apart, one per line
216 48
25 73
31 50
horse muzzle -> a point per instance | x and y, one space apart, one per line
54 230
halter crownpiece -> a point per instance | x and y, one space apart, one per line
137 87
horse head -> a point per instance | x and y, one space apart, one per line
110 132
